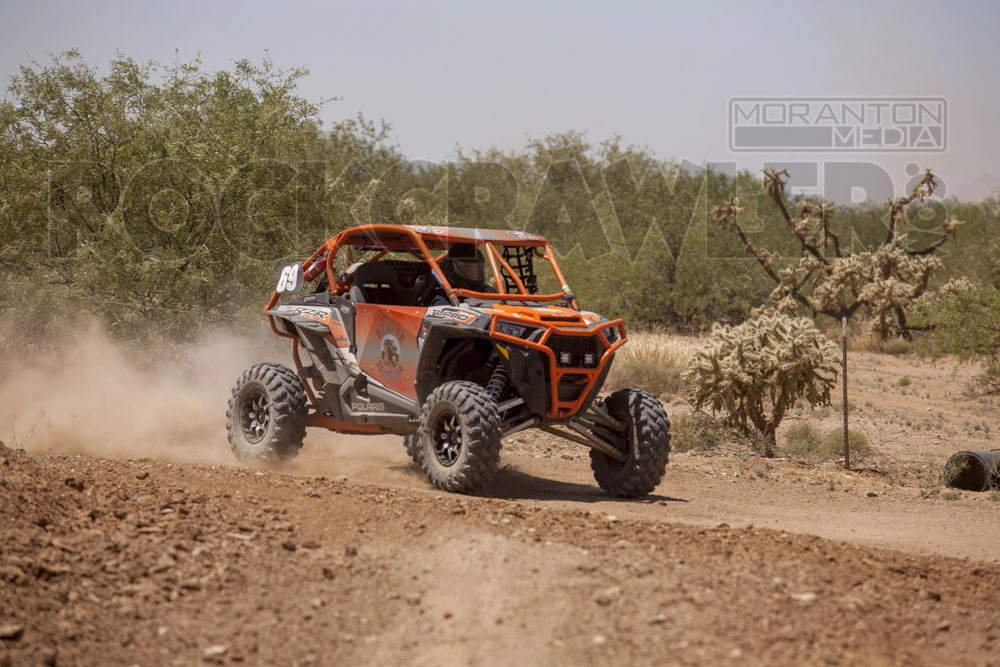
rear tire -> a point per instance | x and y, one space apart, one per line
459 437
266 419
646 445
412 444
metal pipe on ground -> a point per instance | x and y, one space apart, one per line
973 470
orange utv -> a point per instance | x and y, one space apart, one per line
392 344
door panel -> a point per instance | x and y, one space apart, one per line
387 344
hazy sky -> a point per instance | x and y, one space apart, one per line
494 73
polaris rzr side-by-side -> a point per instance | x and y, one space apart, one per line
454 339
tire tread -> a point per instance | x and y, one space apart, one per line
288 414
650 447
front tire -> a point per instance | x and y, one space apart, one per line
459 437
266 419
645 444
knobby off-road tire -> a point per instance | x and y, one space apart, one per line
459 437
412 444
266 419
646 445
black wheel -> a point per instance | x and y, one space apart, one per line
459 437
412 444
645 444
266 419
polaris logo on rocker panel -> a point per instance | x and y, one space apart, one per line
367 406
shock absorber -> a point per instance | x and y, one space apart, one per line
498 381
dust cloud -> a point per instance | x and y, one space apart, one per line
93 398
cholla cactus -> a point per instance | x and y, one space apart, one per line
832 280
754 372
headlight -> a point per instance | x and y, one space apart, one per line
508 329
611 335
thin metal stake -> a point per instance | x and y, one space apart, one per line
847 446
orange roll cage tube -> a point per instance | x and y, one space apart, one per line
403 237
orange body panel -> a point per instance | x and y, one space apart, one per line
387 344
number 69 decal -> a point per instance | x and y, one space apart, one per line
290 279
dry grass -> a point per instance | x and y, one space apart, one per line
652 361
805 442
862 338
897 347
697 432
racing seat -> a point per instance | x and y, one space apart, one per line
377 282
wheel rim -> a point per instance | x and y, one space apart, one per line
255 416
447 438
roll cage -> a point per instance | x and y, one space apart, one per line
510 254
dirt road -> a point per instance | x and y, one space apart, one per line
109 561
348 556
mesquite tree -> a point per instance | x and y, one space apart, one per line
829 277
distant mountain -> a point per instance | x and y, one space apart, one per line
981 188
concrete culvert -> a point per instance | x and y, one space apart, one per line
973 470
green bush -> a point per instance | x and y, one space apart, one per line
161 198
965 322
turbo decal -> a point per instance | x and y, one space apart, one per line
454 315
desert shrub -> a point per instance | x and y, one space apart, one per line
804 441
965 321
800 438
650 361
754 372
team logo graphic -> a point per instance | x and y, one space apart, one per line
389 362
